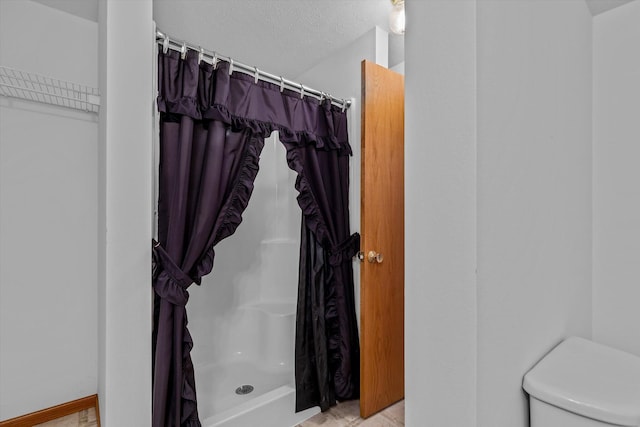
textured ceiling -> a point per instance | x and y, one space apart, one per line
87 9
280 36
598 6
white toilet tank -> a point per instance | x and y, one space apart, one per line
584 384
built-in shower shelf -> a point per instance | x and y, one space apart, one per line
274 308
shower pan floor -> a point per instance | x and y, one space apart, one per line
217 384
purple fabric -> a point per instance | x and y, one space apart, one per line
212 130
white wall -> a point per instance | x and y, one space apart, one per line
399 68
440 213
519 184
126 45
534 193
48 217
616 178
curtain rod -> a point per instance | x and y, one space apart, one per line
169 42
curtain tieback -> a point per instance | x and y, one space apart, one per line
170 282
344 251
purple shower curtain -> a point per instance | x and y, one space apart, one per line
327 359
212 130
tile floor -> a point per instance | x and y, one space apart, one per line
84 418
347 414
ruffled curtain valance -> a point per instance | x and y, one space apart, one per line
212 130
205 93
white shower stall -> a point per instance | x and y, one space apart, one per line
242 317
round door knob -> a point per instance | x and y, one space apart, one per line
374 256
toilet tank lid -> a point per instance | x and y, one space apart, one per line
589 379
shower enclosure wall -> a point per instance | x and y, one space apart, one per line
242 318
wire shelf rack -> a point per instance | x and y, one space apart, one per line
35 87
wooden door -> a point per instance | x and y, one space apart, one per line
382 230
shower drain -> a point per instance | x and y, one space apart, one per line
244 389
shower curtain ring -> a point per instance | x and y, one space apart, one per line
165 44
183 51
257 74
200 55
230 66
301 91
281 84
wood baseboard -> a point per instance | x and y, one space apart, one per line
54 412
